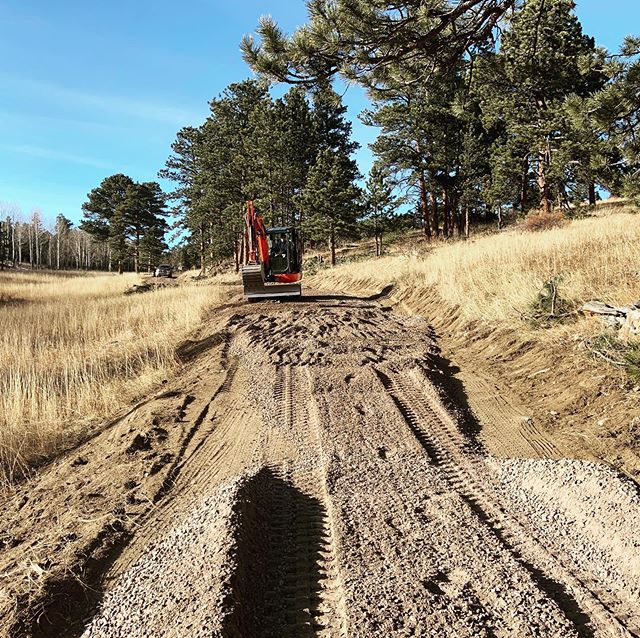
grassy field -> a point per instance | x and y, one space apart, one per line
498 277
74 350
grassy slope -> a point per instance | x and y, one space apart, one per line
74 350
497 277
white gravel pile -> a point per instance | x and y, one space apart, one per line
178 587
585 509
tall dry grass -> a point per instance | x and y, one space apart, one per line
497 277
74 350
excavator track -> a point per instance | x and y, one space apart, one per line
256 288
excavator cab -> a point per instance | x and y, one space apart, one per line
284 251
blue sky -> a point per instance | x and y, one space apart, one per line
88 89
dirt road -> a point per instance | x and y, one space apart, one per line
317 472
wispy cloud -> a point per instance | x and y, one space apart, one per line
52 154
73 100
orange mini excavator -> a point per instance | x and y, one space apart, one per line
274 259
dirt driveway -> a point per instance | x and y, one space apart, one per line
316 471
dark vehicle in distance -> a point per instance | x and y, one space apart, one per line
163 270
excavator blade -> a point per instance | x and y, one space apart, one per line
256 288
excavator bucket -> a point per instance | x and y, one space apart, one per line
256 288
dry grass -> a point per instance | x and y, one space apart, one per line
498 277
74 350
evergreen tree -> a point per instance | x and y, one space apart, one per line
419 144
360 39
104 215
379 205
119 212
329 201
153 245
144 208
229 163
185 167
616 113
253 147
544 58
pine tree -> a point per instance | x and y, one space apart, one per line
329 201
104 215
360 39
379 205
616 112
144 208
119 212
419 143
185 167
544 58
153 245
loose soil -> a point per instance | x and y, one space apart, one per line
320 468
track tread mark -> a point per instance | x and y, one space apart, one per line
427 418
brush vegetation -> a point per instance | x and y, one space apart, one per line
74 350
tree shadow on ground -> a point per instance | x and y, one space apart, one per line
311 298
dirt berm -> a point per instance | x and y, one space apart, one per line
315 470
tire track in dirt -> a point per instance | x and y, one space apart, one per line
283 584
287 582
512 432
589 609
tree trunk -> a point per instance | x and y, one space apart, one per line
20 244
378 239
458 214
466 222
545 199
203 247
592 194
424 206
524 183
433 200
136 253
446 220
236 252
333 247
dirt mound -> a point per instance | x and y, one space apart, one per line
181 584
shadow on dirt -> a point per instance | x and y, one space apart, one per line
454 396
64 604
385 292
276 587
190 349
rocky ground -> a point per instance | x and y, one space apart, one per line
317 471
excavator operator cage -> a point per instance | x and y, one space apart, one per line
285 250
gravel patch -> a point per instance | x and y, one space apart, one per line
585 509
179 587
